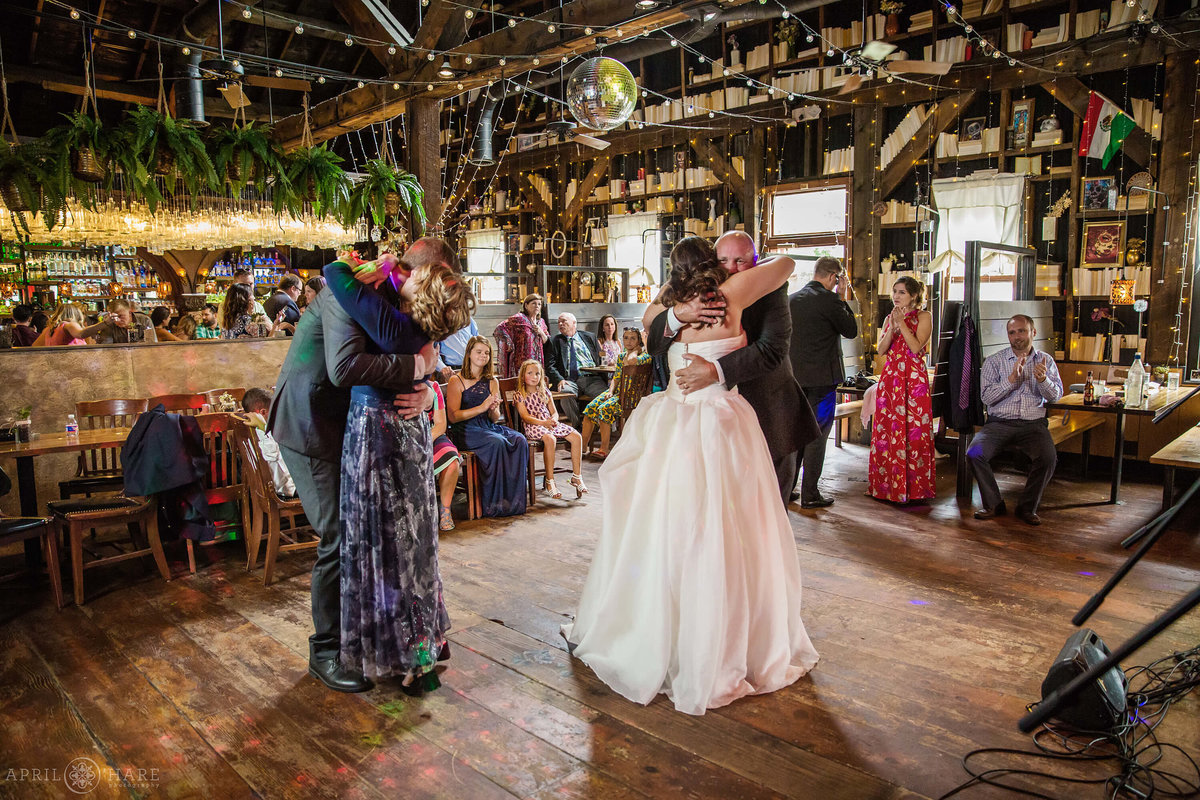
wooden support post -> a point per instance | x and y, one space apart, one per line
755 172
424 153
706 151
586 187
864 226
1179 130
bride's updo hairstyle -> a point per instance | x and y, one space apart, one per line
694 271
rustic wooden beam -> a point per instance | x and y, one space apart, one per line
945 115
756 170
864 226
586 187
424 153
530 192
363 24
1179 131
705 149
436 18
1073 93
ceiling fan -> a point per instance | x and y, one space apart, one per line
565 130
874 56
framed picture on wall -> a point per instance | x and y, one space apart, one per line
1103 244
1094 193
972 129
1022 122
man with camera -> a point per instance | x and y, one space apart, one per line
820 318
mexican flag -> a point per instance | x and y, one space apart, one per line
1104 129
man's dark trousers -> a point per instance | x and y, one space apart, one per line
1030 437
823 400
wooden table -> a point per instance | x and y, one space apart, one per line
1183 453
45 444
1158 401
601 370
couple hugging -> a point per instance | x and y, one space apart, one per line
350 418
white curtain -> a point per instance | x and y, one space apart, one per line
988 209
635 245
485 253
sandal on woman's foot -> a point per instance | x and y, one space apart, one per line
600 454
445 520
580 488
551 489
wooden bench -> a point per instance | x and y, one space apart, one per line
1183 453
1068 426
844 411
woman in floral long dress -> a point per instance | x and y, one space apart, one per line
901 465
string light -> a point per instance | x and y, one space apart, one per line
132 34
299 28
247 13
187 51
320 79
349 41
391 50
74 13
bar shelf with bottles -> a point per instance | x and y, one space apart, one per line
42 274
267 266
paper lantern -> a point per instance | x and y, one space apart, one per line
601 93
1121 292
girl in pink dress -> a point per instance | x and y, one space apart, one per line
536 407
901 465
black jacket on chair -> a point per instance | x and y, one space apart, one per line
328 356
820 319
164 456
762 373
558 355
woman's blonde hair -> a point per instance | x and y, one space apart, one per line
186 327
529 364
68 312
442 303
488 373
914 287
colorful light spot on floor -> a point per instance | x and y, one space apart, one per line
919 602
1088 574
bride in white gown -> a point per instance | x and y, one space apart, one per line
694 588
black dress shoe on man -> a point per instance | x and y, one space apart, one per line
330 672
817 502
794 496
1029 517
991 513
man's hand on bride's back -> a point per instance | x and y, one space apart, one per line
706 309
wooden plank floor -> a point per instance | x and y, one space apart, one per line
934 630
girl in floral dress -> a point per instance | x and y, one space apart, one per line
901 465
605 408
536 407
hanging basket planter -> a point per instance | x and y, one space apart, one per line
13 199
234 172
391 204
86 166
164 161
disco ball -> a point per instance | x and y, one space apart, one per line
601 93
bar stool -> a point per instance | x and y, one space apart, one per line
78 516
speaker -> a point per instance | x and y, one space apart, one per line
1099 706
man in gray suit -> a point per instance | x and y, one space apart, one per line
327 357
820 318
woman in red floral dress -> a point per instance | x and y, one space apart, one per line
901 466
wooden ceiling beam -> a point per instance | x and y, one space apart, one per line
381 102
586 187
363 24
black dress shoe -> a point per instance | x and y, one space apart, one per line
817 502
991 513
330 672
1029 517
794 496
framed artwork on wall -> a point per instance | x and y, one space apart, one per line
1022 122
1095 191
1103 244
972 129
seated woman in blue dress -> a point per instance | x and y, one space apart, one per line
473 408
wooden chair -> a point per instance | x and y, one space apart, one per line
76 516
191 404
20 529
266 505
636 382
224 481
468 477
510 417
535 446
99 469
213 396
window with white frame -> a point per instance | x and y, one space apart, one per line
986 209
485 254
807 221
635 245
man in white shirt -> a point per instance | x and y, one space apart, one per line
1015 385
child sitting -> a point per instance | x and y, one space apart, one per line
256 403
605 407
536 407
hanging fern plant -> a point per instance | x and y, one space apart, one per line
163 145
315 175
245 154
388 193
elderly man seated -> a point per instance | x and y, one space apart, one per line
1015 385
569 351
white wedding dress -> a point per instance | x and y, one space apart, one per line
694 588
